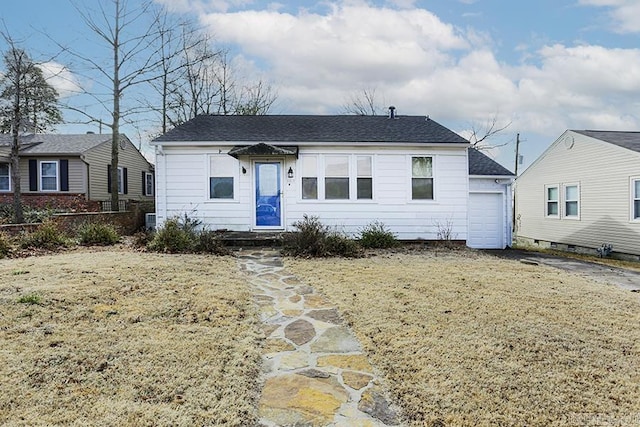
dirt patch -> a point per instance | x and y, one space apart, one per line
467 339
127 339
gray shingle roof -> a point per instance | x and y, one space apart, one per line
628 140
43 144
307 128
481 164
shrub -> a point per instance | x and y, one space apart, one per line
173 237
142 238
314 239
376 235
96 233
338 244
47 236
5 245
209 242
31 299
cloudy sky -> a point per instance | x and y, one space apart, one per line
543 66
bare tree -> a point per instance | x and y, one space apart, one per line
26 95
255 100
363 103
480 135
129 33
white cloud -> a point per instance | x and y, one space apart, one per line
625 13
63 80
423 65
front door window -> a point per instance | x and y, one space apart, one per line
268 203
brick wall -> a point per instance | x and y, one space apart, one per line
56 201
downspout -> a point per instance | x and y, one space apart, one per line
87 194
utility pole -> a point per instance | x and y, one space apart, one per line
517 153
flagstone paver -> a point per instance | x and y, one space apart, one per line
315 373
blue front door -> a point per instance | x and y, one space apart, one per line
268 209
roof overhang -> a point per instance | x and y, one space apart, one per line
262 149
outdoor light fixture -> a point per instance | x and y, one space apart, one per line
290 173
244 170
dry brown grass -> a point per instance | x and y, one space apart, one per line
128 339
466 339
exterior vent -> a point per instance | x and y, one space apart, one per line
150 221
392 112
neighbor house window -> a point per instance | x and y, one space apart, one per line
336 177
422 178
5 180
221 177
552 202
148 184
571 201
309 177
49 176
636 198
120 180
364 181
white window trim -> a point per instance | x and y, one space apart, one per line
349 176
40 176
153 187
236 180
546 201
9 176
564 201
353 178
632 198
409 169
301 174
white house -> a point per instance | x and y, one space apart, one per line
583 192
255 173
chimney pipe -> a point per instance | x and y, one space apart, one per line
392 112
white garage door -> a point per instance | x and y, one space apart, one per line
486 221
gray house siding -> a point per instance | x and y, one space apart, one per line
603 173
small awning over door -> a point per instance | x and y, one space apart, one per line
263 149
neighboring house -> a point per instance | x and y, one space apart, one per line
254 173
582 192
68 170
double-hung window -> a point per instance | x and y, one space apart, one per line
552 201
364 180
309 177
222 172
5 179
147 184
635 196
571 201
422 178
49 176
336 177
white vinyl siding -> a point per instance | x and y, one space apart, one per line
49 176
552 201
182 186
603 172
5 177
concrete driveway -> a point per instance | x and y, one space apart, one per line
622 277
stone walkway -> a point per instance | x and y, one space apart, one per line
315 373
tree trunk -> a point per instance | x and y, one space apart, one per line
15 156
115 126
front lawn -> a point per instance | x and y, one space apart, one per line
127 339
468 339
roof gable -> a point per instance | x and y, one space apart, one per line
307 128
628 140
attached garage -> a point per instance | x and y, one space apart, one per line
489 207
486 221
